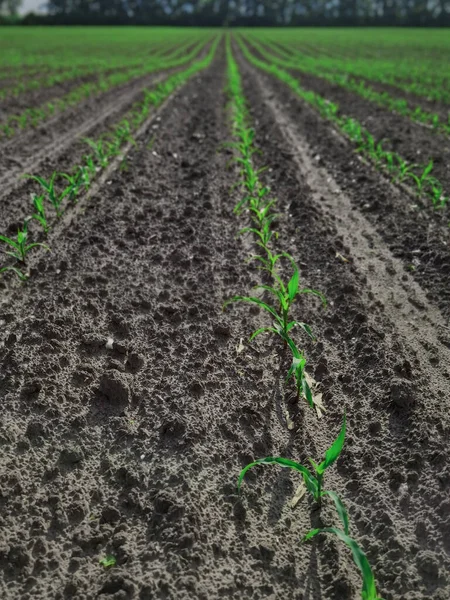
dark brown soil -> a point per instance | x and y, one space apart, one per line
129 407
36 98
413 100
59 144
412 141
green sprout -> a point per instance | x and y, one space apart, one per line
314 483
20 248
71 190
286 295
100 151
39 214
108 561
423 179
49 188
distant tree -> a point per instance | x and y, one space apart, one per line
244 12
10 7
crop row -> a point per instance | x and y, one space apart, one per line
54 78
419 77
258 203
63 188
32 117
400 170
359 87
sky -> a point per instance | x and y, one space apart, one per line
29 5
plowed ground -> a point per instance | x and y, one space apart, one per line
132 448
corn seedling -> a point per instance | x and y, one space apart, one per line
436 193
297 371
108 561
84 174
286 295
39 214
423 179
19 247
313 483
90 165
369 590
71 190
100 151
49 188
403 169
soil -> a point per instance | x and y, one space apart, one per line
36 98
414 100
131 400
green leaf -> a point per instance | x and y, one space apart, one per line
292 287
315 293
108 561
278 295
9 241
309 479
340 508
307 391
303 326
427 169
369 591
262 330
35 245
256 301
334 451
18 272
21 236
40 180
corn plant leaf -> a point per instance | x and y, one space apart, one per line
262 330
307 392
306 328
9 241
369 591
427 170
334 451
340 509
256 301
40 180
18 272
35 245
292 287
315 293
309 479
275 292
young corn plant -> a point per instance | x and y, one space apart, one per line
20 246
313 482
369 590
264 219
74 184
403 169
53 197
297 371
436 193
85 176
100 151
422 180
286 295
90 166
39 214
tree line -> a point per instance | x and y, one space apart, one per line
238 12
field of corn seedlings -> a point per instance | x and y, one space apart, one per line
224 314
